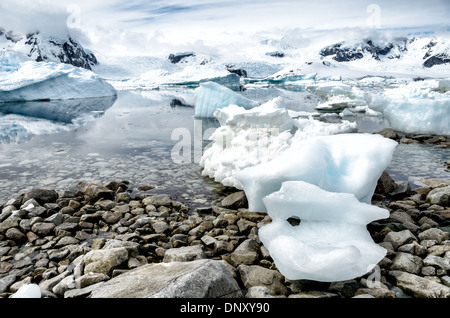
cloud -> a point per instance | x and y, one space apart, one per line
150 25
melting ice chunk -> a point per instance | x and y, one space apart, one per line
350 163
331 243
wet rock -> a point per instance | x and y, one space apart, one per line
235 201
41 195
97 192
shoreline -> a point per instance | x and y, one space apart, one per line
46 235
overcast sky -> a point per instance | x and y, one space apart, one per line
191 20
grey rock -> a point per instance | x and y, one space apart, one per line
10 222
6 282
432 260
420 287
254 275
90 279
399 238
43 228
246 253
184 254
56 218
64 285
48 284
104 261
96 192
440 196
82 292
197 279
235 201
407 263
386 184
41 195
258 292
434 234
158 200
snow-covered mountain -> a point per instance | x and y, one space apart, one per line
427 51
43 47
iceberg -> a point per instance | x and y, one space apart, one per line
245 138
349 163
331 243
421 107
211 96
23 79
22 120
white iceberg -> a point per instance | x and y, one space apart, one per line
421 107
22 79
330 244
245 138
211 96
349 163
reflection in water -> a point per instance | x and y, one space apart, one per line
22 120
131 139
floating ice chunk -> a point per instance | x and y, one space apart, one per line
350 163
27 80
330 244
418 107
245 138
28 291
211 96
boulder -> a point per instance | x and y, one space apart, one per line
203 278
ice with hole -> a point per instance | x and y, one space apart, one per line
349 163
331 243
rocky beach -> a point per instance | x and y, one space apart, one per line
117 241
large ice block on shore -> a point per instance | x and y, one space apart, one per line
211 96
330 244
245 138
349 163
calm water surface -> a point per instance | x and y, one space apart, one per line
133 139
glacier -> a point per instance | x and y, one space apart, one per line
23 79
331 243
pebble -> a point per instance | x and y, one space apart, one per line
73 243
